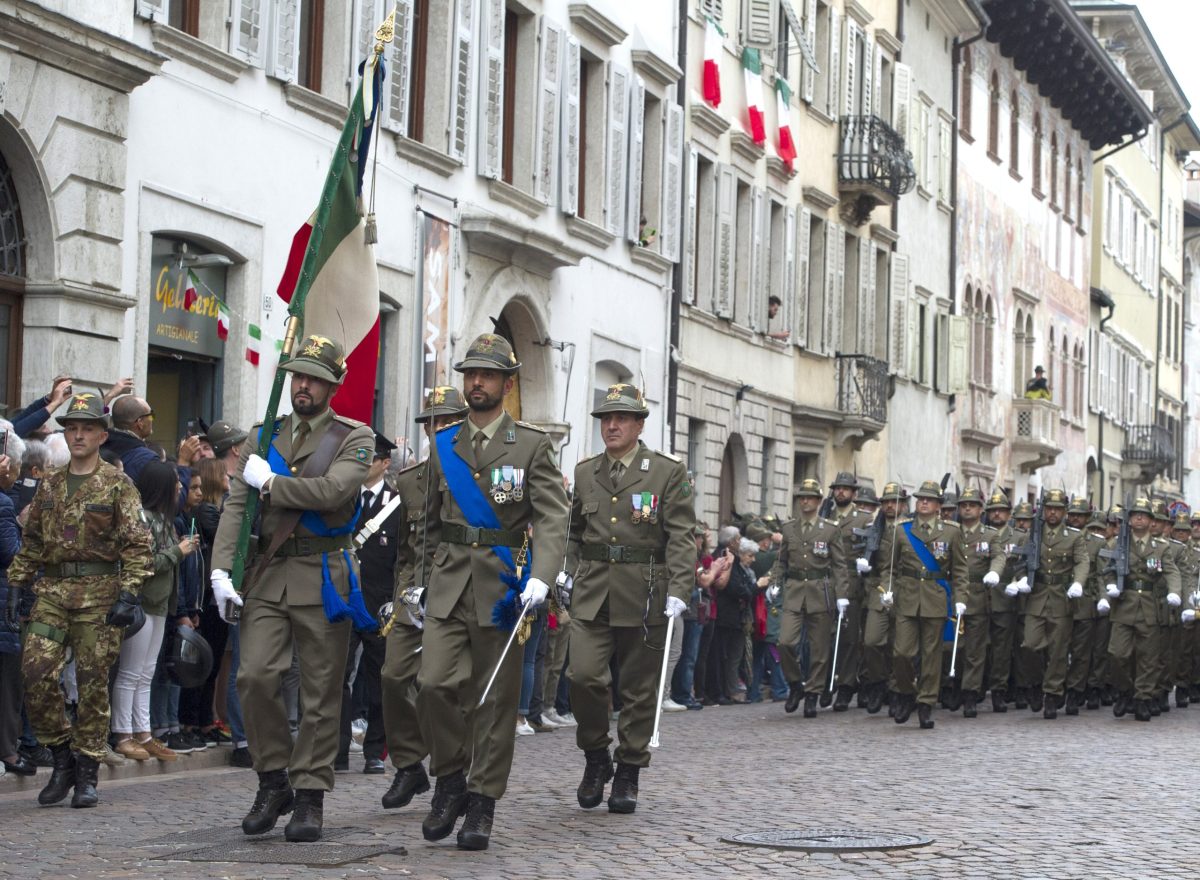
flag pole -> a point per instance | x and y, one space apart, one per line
295 322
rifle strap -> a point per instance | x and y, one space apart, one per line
316 466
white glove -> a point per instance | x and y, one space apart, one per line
1189 614
535 589
842 605
1012 589
773 592
675 606
960 608
1173 600
257 472
1075 591
1111 591
1023 585
1102 606
991 579
862 565
224 592
887 599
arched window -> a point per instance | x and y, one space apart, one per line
1063 397
1054 168
994 116
989 333
1079 379
976 334
1079 215
1050 353
1019 366
12 234
1037 153
964 122
1014 132
1067 188
13 267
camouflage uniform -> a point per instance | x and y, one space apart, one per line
89 547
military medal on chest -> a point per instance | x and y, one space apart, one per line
645 507
508 484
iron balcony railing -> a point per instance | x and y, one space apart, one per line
862 386
873 153
1149 444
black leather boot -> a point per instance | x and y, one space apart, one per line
795 695
904 706
810 705
999 701
62 777
596 772
970 708
408 782
1141 710
273 798
842 703
1093 699
826 698
1181 697
1050 707
623 798
85 782
476 829
307 818
1022 699
1072 702
1164 701
925 716
1036 699
1120 705
449 802
875 699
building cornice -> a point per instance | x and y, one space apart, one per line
592 19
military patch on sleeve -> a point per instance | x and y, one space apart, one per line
363 454
686 489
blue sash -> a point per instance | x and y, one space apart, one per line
927 560
479 513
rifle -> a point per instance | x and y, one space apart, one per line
1119 556
872 537
827 507
1033 546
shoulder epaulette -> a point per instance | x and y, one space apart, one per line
411 467
826 522
531 427
668 456
353 423
451 425
1175 541
1070 531
950 522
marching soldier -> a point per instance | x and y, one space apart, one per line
1084 613
879 631
930 573
444 405
812 567
492 478
1004 620
1100 678
309 486
1097 682
1135 639
1177 533
986 561
631 532
86 536
848 517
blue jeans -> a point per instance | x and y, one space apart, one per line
529 662
164 701
233 705
683 678
766 666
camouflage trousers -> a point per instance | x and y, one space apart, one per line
96 647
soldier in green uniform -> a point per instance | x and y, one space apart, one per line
1084 613
986 562
444 405
309 487
880 628
1171 621
492 479
1003 629
848 517
1064 570
928 550
86 535
1097 680
1152 581
1100 684
812 568
631 532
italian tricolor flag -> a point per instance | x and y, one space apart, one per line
783 104
712 62
253 343
191 291
752 69
222 321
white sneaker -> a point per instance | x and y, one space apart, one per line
569 717
552 717
670 705
355 746
524 728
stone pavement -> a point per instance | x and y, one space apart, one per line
1005 795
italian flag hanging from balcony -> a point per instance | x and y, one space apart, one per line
712 62
253 343
783 103
752 69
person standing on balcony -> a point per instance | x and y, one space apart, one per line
1038 388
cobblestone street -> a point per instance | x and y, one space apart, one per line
1010 795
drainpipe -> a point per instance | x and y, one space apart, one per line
678 270
1112 308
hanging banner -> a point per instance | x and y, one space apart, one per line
184 310
434 267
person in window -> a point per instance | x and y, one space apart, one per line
1038 388
774 304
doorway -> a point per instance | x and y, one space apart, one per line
181 389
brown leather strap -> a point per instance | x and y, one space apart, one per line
316 466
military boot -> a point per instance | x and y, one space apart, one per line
476 829
1120 704
1093 699
273 799
810 705
826 698
409 781
449 802
904 707
307 818
970 708
623 798
1164 701
1021 700
1141 710
86 769
1050 707
596 772
1152 705
795 695
875 698
62 777
1072 702
999 701
925 716
842 703
1036 699
1181 697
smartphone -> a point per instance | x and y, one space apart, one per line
233 611
192 428
3 442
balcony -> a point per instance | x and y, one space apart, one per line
874 167
1148 451
861 400
1035 425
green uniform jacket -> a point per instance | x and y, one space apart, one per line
101 522
1152 574
873 586
1093 587
1169 616
544 506
1064 561
916 589
333 496
410 486
1011 542
984 554
808 565
602 516
847 522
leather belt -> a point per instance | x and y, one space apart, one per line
309 546
810 575
79 569
922 575
459 534
621 553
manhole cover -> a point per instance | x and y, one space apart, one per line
829 840
281 853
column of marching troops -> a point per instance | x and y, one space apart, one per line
1045 608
